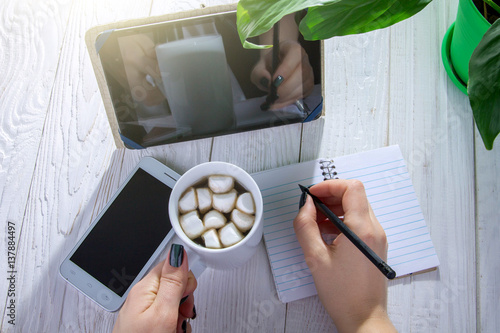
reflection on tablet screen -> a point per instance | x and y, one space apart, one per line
191 78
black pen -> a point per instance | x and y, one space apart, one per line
369 253
273 92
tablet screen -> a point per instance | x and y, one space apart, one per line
191 78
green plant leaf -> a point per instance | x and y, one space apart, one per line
347 17
493 5
484 85
255 17
325 18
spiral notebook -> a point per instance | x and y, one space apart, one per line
392 197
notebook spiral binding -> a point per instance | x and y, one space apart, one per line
328 169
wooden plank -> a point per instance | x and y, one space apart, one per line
261 149
488 233
356 94
75 152
430 120
31 35
356 101
245 297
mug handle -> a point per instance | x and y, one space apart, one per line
196 264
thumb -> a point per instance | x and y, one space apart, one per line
307 230
173 280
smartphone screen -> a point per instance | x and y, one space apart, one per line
127 234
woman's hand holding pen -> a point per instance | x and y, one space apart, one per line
293 78
351 288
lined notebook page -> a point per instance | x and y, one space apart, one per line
392 197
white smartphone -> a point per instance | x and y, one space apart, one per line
125 238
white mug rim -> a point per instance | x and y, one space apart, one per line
178 229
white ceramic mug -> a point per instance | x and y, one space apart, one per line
237 254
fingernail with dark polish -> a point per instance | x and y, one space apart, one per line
184 326
302 200
176 255
264 82
183 299
194 312
278 80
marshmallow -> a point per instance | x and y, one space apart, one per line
245 203
224 202
204 196
230 235
243 221
220 184
214 219
188 201
192 225
211 239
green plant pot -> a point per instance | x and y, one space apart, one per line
460 41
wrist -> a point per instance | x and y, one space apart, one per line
379 323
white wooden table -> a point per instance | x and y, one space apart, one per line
59 164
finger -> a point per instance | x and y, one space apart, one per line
291 57
335 209
332 199
332 189
173 280
301 76
352 196
260 76
287 96
147 61
184 326
150 278
145 43
191 284
327 227
290 91
330 192
356 206
294 88
187 309
307 230
150 67
143 294
150 52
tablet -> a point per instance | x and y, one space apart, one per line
185 77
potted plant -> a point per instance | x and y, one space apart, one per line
329 18
471 57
